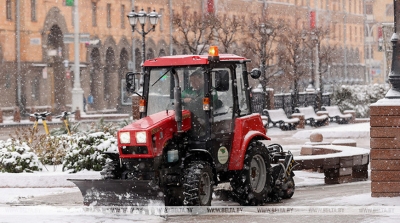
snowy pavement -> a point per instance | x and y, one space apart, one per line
47 196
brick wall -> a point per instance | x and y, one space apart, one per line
385 148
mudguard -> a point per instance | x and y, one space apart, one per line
246 129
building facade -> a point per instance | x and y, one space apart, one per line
378 15
36 52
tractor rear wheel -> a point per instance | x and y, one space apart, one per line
251 185
198 184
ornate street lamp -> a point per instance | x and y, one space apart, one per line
142 16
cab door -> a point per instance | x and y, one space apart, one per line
222 115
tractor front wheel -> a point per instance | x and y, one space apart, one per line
198 184
252 184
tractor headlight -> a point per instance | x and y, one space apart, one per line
141 137
125 137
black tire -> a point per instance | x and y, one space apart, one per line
198 184
288 188
173 196
252 184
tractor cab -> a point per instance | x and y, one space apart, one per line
215 92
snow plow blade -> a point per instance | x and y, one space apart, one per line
118 192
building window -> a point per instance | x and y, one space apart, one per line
109 15
72 16
355 7
94 14
351 33
369 9
35 88
33 10
123 16
349 9
356 33
8 80
161 24
8 10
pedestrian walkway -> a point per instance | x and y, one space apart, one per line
296 138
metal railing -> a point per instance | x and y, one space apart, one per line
286 101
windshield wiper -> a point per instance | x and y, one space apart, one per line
161 76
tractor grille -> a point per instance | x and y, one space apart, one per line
134 150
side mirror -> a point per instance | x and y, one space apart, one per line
221 80
130 82
255 73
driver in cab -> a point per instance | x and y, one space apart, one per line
196 91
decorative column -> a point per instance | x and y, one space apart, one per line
385 129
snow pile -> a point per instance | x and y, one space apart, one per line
76 153
16 157
87 152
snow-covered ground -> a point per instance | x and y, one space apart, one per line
25 186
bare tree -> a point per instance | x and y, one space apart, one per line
226 29
193 31
292 56
261 35
325 54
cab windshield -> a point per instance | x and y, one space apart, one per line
161 87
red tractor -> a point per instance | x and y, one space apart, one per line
196 130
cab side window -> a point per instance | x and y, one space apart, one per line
222 92
243 106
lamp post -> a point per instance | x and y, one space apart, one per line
394 76
312 47
142 16
77 91
265 32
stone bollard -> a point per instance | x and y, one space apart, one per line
17 115
77 114
302 122
316 137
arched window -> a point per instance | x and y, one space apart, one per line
162 53
110 67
